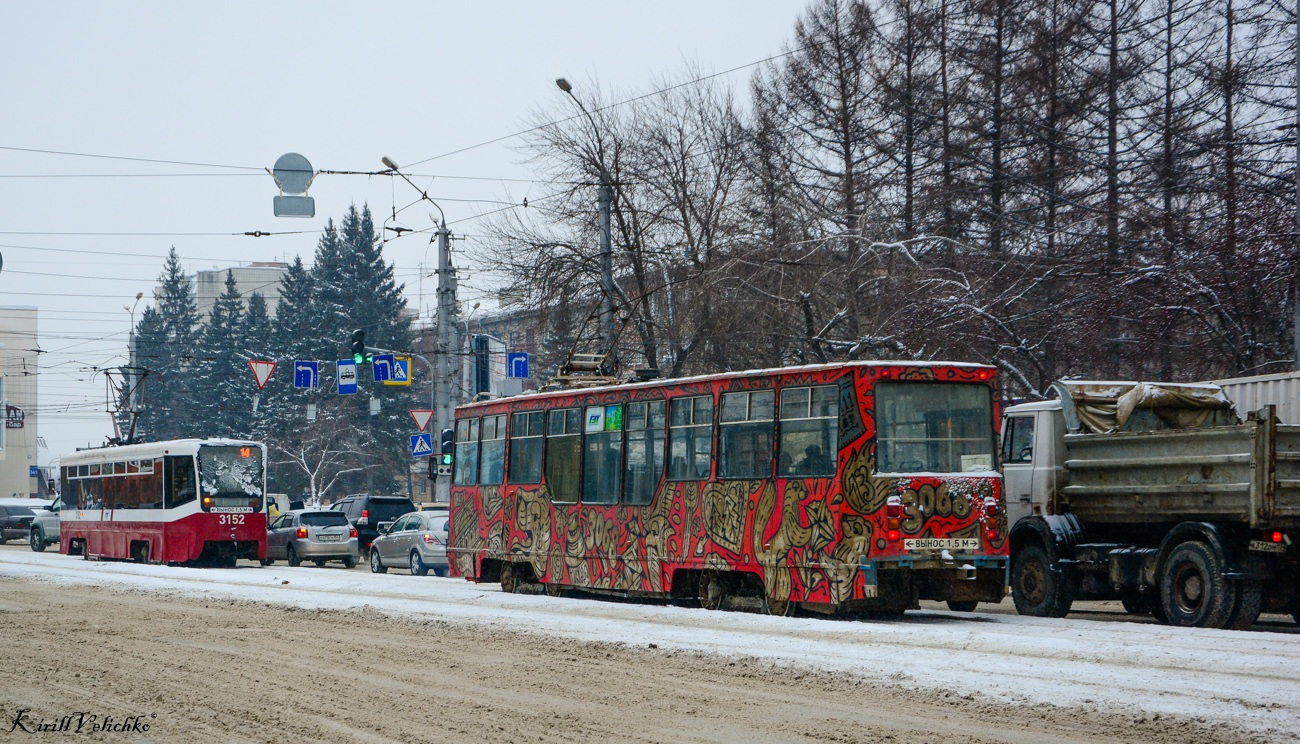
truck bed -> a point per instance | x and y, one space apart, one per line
1248 473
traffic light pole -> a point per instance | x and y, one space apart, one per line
445 350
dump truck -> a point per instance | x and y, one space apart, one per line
1155 494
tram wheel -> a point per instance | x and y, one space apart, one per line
713 590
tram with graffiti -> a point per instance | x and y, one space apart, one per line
196 501
865 486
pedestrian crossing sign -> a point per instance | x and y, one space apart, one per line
400 372
421 444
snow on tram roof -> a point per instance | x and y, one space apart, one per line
724 375
114 452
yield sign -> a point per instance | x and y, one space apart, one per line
422 418
262 371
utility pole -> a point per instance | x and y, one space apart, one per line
604 197
444 351
1295 267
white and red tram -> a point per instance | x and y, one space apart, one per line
186 500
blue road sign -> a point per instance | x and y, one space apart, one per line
400 374
421 444
347 376
517 364
306 374
383 364
33 471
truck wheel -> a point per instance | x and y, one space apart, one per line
1250 601
1035 588
1193 590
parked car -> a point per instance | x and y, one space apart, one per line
416 542
16 522
369 513
316 535
45 527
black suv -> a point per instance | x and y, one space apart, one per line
369 513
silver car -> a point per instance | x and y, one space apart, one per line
311 534
416 541
45 527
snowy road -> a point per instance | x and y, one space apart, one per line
1247 679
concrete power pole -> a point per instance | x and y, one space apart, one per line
606 268
1295 269
445 352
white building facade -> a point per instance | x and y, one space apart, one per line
18 394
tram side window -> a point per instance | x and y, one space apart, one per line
690 438
526 432
745 434
603 458
90 493
492 452
809 442
466 467
178 474
644 461
564 454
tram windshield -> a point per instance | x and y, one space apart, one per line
231 477
929 427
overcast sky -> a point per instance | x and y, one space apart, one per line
239 84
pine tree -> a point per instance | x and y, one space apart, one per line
222 378
167 337
258 342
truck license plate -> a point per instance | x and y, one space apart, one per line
942 543
1267 547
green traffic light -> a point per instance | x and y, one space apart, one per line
359 358
446 459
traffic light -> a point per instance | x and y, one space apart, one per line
440 464
359 346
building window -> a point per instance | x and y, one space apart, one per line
526 437
603 459
466 466
809 431
492 452
690 438
564 454
745 430
644 463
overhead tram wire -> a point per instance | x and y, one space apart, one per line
131 159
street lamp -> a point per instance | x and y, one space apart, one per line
604 196
131 309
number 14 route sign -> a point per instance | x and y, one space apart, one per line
261 371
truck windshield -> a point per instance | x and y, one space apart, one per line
231 477
933 427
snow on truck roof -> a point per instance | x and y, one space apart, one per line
801 369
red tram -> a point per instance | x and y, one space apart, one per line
863 486
187 500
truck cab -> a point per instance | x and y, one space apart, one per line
1033 458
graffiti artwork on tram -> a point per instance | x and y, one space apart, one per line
803 536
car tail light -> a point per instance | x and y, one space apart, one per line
352 532
431 539
893 535
1275 536
302 532
990 507
365 514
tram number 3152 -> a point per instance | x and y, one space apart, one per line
231 519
